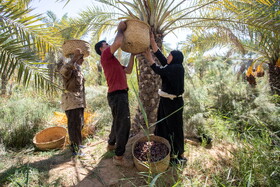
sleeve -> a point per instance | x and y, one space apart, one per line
66 70
160 70
161 57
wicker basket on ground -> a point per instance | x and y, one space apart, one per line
136 37
50 138
155 167
69 47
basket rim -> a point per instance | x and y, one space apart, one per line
34 138
151 135
34 141
138 21
75 40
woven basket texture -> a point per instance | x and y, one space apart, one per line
156 167
136 37
50 138
69 46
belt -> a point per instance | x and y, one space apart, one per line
117 92
167 95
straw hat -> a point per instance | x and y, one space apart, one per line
69 47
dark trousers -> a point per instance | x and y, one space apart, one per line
75 125
118 102
172 127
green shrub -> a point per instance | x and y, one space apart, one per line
97 102
230 110
20 119
220 93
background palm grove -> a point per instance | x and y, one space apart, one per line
233 97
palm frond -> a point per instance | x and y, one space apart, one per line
23 42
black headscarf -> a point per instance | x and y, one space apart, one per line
178 57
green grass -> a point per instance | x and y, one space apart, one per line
20 119
255 163
27 176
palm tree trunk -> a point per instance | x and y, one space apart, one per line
274 77
149 83
4 82
51 66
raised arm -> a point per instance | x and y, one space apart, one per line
129 68
119 37
149 57
66 70
157 69
153 42
156 50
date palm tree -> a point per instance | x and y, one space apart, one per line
246 26
163 16
263 31
23 45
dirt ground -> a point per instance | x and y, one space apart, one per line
99 171
95 170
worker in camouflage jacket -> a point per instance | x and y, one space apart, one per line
73 99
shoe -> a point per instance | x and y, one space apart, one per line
82 146
76 148
78 154
180 160
111 147
122 162
205 138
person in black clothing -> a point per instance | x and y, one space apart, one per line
171 101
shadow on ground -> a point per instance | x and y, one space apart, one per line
42 165
93 170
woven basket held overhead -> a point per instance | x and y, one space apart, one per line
69 46
50 138
136 37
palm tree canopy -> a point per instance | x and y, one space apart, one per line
243 25
24 43
164 16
